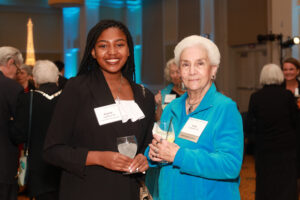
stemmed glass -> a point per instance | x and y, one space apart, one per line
165 130
127 146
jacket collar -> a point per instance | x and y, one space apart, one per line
101 92
102 95
206 103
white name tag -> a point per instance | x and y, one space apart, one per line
169 98
107 114
193 129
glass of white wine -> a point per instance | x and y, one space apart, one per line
127 146
165 130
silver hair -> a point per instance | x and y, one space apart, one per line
7 52
213 52
45 71
271 74
167 69
27 69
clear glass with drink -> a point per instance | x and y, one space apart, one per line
127 146
165 130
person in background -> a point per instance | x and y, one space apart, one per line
61 68
43 178
99 105
205 160
291 69
274 114
172 91
10 60
24 77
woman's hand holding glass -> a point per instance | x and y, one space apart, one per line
128 146
110 160
162 150
139 164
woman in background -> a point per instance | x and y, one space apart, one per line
43 178
173 90
291 69
274 114
24 77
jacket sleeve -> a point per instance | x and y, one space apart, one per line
57 148
225 161
19 125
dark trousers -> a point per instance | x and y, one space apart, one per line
48 196
8 191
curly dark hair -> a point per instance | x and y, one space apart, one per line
88 63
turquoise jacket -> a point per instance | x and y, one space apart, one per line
208 169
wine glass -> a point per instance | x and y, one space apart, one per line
165 130
127 146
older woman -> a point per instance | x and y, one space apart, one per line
205 160
173 90
24 77
273 112
43 178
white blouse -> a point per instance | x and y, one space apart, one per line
129 110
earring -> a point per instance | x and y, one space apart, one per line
182 86
213 77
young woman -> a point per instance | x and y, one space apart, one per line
99 105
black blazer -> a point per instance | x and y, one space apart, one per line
74 131
42 177
274 114
9 90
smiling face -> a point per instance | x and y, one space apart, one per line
290 71
195 69
111 50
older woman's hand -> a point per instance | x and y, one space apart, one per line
162 149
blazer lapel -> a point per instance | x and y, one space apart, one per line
99 89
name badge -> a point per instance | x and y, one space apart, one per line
169 98
193 129
107 114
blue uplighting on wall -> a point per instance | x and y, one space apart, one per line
71 37
71 62
138 62
133 5
92 4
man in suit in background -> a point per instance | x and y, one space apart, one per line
10 60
